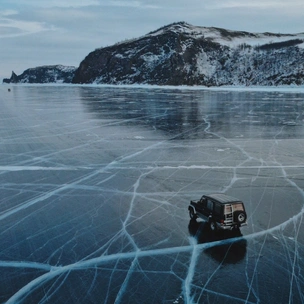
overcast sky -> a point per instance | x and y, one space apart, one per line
39 32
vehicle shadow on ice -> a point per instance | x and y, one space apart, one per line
230 252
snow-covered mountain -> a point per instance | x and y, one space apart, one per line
44 74
182 54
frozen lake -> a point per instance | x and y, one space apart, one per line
96 182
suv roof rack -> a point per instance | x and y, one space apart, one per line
222 198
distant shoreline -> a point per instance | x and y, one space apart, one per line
291 88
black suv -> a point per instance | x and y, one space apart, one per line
220 210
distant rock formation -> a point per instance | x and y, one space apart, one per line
13 79
182 54
44 74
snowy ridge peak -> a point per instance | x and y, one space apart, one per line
226 37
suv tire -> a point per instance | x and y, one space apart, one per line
192 214
212 225
240 217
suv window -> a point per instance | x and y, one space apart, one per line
203 201
210 205
238 207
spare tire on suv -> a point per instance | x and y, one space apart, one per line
240 217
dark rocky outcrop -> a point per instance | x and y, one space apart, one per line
13 79
44 74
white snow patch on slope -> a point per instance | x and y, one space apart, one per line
204 66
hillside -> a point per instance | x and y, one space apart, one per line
182 54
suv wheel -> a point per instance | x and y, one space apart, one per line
212 225
239 217
192 214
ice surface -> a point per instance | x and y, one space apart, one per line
96 181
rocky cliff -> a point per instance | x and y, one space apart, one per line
182 54
44 74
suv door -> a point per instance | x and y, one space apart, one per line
201 206
209 207
217 211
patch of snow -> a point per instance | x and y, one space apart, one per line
64 68
119 56
289 123
204 66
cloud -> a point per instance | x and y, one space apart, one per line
52 3
14 28
135 4
8 12
274 4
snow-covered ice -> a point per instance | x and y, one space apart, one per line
96 181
